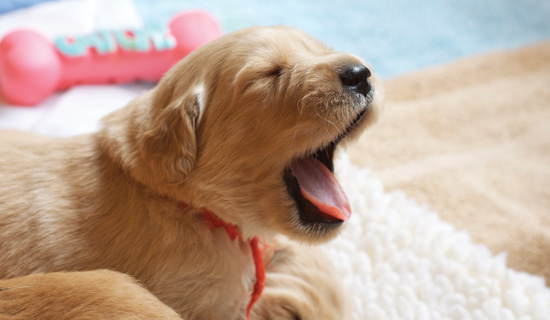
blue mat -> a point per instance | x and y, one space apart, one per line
10 5
395 36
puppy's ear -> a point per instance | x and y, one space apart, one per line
169 144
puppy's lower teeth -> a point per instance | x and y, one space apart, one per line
320 187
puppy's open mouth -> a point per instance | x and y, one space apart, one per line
310 181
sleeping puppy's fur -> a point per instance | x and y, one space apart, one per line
90 295
220 131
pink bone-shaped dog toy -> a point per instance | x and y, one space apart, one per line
32 67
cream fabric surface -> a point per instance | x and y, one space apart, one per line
471 140
398 260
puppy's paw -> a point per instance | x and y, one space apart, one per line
301 284
86 295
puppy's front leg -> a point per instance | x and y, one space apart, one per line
100 294
301 283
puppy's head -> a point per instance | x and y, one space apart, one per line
247 126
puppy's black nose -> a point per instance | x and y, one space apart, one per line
356 78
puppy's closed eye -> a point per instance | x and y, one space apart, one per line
254 72
277 71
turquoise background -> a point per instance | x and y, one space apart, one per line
395 36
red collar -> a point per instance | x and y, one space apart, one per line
214 222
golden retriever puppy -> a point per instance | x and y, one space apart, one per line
234 145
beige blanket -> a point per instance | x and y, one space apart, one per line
471 140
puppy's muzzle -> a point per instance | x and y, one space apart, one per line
356 78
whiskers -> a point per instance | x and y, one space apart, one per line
331 123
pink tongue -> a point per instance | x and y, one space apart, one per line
321 188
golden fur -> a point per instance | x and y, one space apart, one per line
92 295
217 132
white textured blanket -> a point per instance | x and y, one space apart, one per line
402 262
